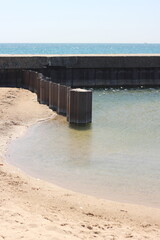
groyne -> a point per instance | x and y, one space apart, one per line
75 104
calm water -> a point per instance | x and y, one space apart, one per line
117 157
75 48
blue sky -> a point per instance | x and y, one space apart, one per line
68 21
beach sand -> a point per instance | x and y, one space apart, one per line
34 209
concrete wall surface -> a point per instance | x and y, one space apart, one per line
116 70
80 61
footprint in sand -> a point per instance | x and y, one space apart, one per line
33 225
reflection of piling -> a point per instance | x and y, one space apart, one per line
80 106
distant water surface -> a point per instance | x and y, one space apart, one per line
117 157
77 48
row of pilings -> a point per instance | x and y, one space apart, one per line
75 104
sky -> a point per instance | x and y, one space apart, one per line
83 21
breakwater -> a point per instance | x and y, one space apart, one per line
76 104
118 70
59 73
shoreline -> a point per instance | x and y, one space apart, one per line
32 207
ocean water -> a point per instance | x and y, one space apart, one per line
77 48
117 157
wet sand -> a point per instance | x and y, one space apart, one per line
33 209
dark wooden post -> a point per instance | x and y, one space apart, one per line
62 100
80 106
39 78
18 74
35 76
55 96
25 79
51 95
30 81
42 89
46 86
68 97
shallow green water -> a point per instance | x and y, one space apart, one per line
116 157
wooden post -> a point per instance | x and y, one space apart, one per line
18 75
51 95
80 106
46 86
35 76
42 91
30 85
25 79
68 97
55 96
39 78
62 100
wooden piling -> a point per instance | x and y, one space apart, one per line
46 91
76 104
62 100
68 100
42 89
55 96
39 78
30 81
25 79
80 106
51 95
35 81
18 75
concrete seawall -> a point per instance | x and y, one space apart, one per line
85 70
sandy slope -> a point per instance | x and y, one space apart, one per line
33 209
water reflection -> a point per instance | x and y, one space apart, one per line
79 146
81 127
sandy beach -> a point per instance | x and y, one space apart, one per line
34 209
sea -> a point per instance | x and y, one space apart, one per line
117 157
78 48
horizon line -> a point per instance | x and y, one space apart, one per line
79 43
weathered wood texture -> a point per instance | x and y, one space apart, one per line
53 95
62 100
80 106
